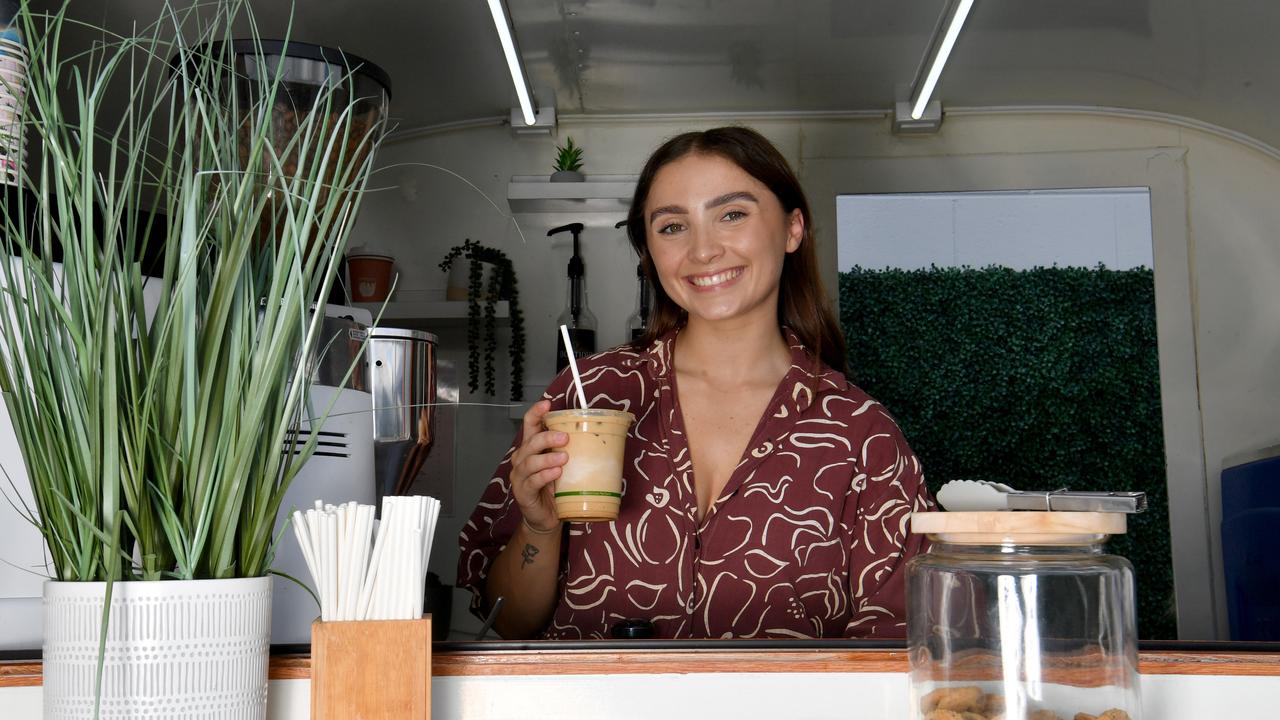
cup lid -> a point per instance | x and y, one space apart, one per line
592 413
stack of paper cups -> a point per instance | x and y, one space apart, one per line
13 95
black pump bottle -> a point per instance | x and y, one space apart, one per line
576 316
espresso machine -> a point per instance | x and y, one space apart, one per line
402 377
341 467
377 385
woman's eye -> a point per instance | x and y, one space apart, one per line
670 228
733 215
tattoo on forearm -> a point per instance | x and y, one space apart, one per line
527 555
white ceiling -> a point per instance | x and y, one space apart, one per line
1211 60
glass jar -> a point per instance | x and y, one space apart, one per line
1021 616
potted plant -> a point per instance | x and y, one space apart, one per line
568 165
153 404
484 289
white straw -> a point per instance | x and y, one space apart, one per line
344 561
377 579
347 556
317 550
573 366
364 609
329 531
304 542
364 513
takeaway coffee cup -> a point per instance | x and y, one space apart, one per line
370 277
589 488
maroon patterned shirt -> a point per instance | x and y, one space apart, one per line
807 539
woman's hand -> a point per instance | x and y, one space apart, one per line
534 465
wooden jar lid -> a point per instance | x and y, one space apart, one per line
1018 527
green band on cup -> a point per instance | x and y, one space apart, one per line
601 493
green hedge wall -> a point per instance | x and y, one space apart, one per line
1043 379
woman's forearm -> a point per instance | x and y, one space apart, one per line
526 574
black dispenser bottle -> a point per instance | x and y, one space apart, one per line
576 316
638 323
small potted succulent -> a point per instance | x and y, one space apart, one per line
490 278
568 165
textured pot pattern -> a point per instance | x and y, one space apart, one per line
174 649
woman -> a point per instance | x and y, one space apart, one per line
764 495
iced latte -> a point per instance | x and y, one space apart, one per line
589 488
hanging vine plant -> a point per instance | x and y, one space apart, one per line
482 318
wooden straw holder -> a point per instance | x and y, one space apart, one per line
371 669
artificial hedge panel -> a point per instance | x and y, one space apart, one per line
1042 379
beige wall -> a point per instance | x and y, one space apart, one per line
1218 284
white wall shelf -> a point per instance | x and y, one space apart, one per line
598 193
516 412
432 314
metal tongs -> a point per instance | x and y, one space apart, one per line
1111 502
977 495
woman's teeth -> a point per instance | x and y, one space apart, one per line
709 280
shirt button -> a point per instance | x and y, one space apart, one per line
689 605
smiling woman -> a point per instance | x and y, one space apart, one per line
764 495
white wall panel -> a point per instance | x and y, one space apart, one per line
1017 229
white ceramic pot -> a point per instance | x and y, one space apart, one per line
457 286
174 649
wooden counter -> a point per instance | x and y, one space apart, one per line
615 662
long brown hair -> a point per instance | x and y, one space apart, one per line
802 300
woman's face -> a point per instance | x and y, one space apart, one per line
718 237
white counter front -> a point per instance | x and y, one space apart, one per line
745 685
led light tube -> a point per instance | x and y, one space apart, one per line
499 12
940 58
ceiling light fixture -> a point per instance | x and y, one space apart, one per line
957 13
502 21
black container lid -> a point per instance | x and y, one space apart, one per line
633 629
307 51
296 49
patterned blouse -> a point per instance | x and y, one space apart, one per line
807 539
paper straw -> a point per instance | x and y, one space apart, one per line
329 551
365 606
353 578
314 529
431 507
317 550
404 577
405 556
390 557
301 532
419 560
372 582
344 560
363 513
573 366
386 564
420 575
350 552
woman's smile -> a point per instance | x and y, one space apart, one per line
709 282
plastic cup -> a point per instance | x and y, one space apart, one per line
589 488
